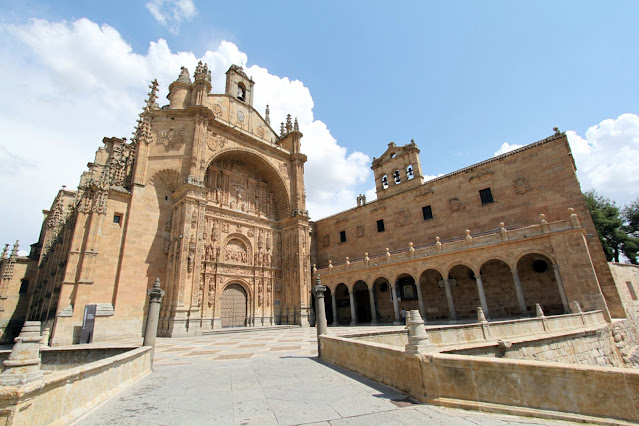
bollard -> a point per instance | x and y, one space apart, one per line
481 317
23 365
320 317
151 330
418 340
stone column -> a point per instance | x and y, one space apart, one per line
560 286
482 295
420 298
520 293
371 296
393 289
320 312
351 294
449 298
151 330
23 365
334 303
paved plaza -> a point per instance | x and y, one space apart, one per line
268 377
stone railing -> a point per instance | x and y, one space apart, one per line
480 333
470 240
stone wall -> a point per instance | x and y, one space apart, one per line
63 396
591 347
530 388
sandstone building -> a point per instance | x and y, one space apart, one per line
210 199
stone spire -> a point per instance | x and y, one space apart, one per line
282 129
267 116
143 129
202 73
5 251
289 125
296 126
16 246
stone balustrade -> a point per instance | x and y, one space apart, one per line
464 242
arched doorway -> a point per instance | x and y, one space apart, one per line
233 305
463 286
342 300
408 298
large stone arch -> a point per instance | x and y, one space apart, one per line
463 287
539 286
236 304
456 263
499 288
434 295
276 182
343 306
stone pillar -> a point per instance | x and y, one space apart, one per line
151 330
45 338
393 289
420 298
449 298
418 340
351 294
320 312
482 295
371 296
520 293
334 304
23 365
560 286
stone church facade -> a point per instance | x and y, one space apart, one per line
210 199
207 197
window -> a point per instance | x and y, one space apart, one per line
117 218
380 225
397 178
486 196
409 172
342 236
241 92
384 182
633 294
427 212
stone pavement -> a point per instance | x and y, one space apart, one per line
269 377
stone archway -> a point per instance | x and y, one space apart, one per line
234 306
362 302
538 283
463 287
499 288
343 306
434 295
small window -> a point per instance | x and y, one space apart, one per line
486 196
633 294
241 92
342 236
380 225
384 182
397 177
427 212
409 172
117 218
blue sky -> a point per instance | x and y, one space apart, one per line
460 78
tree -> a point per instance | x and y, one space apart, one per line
616 236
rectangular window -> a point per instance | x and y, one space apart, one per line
631 289
117 218
380 225
427 212
342 236
486 196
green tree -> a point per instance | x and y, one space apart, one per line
616 236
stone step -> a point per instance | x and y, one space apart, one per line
232 330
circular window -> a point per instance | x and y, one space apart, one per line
540 266
384 287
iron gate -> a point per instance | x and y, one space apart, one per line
234 306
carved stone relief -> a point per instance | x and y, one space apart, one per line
217 110
402 218
454 204
171 139
215 141
521 185
359 231
326 240
235 251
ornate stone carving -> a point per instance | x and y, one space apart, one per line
521 185
215 141
454 204
217 110
260 131
171 139
326 240
359 231
403 217
211 295
235 251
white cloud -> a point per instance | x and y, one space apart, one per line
73 83
506 147
171 13
608 158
